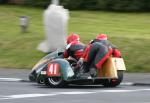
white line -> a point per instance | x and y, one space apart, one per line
127 83
76 92
25 96
118 91
21 96
10 79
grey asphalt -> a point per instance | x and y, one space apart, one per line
28 92
137 78
18 92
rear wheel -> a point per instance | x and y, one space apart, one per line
114 82
55 82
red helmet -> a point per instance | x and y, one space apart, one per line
72 37
101 37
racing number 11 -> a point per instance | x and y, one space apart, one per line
53 69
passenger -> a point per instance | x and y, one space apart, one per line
102 38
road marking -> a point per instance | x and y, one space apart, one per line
20 96
118 91
10 79
76 92
35 95
127 83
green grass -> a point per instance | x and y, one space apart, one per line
129 31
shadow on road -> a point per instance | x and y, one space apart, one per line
72 86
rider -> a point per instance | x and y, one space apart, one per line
74 47
102 38
97 52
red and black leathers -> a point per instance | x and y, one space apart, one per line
95 55
115 51
74 49
97 52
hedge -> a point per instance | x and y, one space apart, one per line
37 3
3 1
113 5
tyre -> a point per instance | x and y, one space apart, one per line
40 81
114 82
55 82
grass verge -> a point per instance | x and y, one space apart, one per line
129 31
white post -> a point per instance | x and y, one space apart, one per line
55 23
55 2
24 23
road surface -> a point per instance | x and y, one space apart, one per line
13 90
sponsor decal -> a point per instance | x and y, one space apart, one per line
43 72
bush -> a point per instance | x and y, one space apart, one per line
127 5
113 5
90 4
72 4
37 3
105 4
3 1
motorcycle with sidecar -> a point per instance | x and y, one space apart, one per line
55 71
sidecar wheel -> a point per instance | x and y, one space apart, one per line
114 82
55 82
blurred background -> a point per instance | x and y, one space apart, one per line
126 22
113 5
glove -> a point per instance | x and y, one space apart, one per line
80 62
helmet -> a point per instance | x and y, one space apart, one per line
72 37
101 37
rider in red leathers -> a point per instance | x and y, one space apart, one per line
94 55
97 52
102 38
74 47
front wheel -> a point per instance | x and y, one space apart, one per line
114 82
55 82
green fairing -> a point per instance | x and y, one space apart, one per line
65 68
52 55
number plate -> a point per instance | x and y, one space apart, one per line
53 69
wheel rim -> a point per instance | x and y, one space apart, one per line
55 80
41 81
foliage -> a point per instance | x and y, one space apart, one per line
37 3
113 5
3 1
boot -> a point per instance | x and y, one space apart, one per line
93 72
83 73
